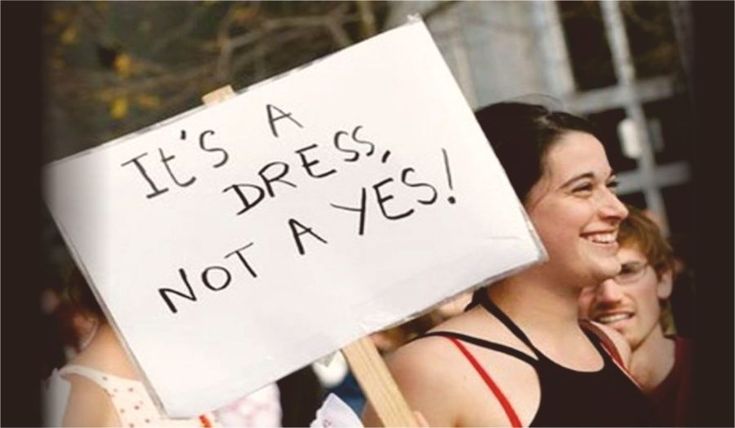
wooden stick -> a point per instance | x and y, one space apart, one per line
366 363
377 384
218 95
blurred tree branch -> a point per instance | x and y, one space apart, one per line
114 67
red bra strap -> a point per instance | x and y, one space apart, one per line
607 343
609 347
512 416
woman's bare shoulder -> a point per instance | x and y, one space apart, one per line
106 354
423 355
88 404
432 377
421 369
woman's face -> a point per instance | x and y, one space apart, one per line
575 211
629 303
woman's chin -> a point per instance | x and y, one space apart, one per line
606 270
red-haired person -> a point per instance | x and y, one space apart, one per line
635 303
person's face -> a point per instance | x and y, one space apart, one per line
575 211
629 302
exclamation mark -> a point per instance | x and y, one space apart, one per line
449 176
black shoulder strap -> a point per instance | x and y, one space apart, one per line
503 318
485 344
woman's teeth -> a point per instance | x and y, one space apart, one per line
602 238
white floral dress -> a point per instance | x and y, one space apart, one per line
135 407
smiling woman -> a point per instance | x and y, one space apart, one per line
518 355
577 187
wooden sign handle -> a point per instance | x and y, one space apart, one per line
377 384
218 95
366 363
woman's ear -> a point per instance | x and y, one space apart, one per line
665 285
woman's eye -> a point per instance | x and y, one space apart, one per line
613 185
583 188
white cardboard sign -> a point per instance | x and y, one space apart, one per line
236 243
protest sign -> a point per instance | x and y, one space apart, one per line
238 242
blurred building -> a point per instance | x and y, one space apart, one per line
113 68
621 64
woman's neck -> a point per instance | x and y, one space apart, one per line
547 312
533 300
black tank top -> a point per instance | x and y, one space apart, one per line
606 397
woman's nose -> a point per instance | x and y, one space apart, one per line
613 208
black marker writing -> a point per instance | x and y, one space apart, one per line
340 137
404 176
449 175
247 203
293 224
362 210
308 164
242 258
166 291
355 154
383 195
368 143
215 278
277 177
166 159
382 199
225 156
139 166
269 174
208 284
282 115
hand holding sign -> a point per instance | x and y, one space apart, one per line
245 217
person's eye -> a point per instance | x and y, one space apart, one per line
582 188
626 269
613 185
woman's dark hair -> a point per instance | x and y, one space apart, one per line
521 134
76 299
79 296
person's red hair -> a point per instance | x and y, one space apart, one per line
640 232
